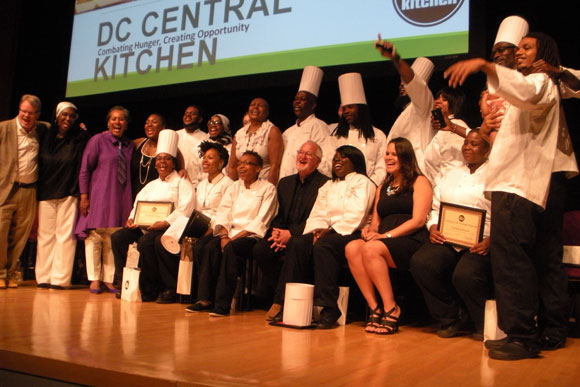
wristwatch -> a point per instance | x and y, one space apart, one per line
389 235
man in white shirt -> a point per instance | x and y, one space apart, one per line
189 139
18 175
526 183
307 126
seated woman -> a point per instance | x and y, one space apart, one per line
396 231
206 250
444 272
260 135
158 279
245 212
339 213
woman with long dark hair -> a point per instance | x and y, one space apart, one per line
396 231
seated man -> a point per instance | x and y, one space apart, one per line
245 212
296 196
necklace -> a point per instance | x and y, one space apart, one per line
144 164
392 190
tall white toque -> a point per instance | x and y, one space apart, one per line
311 80
167 142
511 30
351 89
423 67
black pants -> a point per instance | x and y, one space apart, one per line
233 262
447 277
207 253
296 265
159 268
329 259
526 260
270 263
120 241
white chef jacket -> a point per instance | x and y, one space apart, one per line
459 186
522 157
444 152
414 122
209 194
374 151
295 136
246 209
173 189
188 145
343 205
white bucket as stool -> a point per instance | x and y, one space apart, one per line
298 304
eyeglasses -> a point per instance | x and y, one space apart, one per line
247 163
502 49
27 113
304 153
214 122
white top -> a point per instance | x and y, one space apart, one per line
258 142
209 194
565 90
522 158
246 209
444 153
374 151
414 122
189 147
459 186
343 205
295 136
173 189
27 171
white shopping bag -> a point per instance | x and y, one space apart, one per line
491 330
185 274
130 289
132 256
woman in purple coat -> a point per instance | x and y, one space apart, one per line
105 187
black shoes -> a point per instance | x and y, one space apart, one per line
167 297
199 307
328 318
219 312
461 327
513 349
547 343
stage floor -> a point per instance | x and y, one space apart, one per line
90 339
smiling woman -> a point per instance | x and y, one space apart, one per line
105 188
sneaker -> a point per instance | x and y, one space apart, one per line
514 349
12 283
2 283
219 312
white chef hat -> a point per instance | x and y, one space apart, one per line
167 142
423 68
511 30
351 89
311 79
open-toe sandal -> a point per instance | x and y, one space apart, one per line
389 324
374 319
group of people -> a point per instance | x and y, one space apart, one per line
312 200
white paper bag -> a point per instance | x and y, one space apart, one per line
130 289
342 302
491 330
132 256
184 277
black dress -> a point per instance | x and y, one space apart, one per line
142 169
393 211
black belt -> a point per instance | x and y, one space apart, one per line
24 185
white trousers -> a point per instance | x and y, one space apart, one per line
97 250
56 243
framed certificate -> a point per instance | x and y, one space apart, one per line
148 213
462 226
